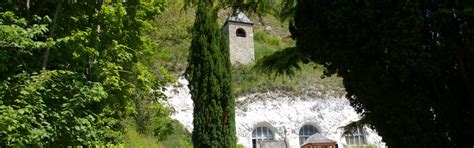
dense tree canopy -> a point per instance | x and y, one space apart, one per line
210 82
70 70
407 65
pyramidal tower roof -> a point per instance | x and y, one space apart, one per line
239 17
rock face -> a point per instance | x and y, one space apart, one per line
283 115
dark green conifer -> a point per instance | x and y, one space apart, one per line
210 82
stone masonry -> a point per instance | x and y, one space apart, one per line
241 46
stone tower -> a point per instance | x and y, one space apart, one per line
239 30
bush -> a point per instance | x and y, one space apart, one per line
57 108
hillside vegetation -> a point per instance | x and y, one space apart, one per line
168 60
269 36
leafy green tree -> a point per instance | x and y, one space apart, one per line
210 81
57 107
70 70
407 65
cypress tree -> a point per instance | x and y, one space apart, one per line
210 82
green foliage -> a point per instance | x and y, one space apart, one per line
257 5
180 138
276 51
133 138
264 37
248 79
281 62
54 108
352 127
209 75
71 70
405 64
266 44
152 127
173 31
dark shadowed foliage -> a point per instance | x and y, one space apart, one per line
407 65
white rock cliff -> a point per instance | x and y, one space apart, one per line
284 115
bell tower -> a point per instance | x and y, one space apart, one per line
239 30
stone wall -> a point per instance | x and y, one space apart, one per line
241 48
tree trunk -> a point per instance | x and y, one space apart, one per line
51 34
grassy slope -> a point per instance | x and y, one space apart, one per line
179 139
271 36
173 39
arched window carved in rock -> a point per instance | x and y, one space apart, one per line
307 131
260 134
357 137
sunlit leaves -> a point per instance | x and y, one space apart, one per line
93 75
15 33
45 105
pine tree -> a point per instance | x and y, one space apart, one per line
210 82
